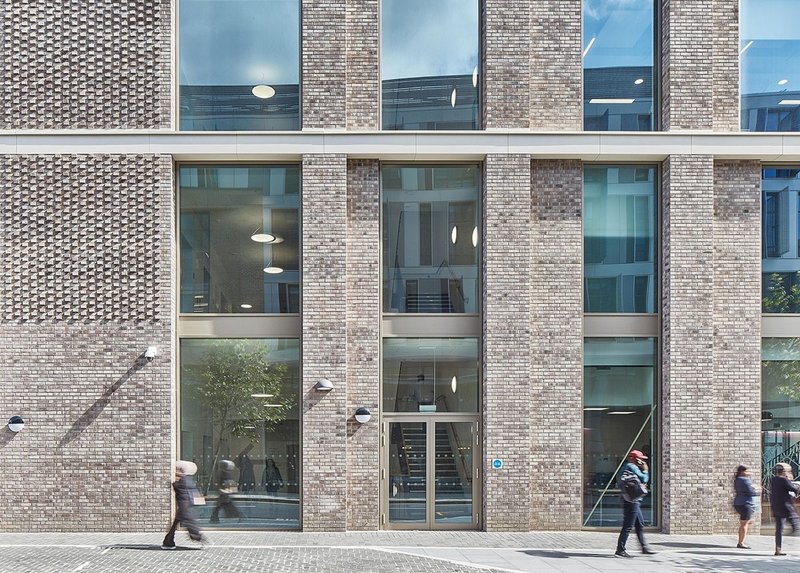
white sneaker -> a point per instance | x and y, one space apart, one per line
169 547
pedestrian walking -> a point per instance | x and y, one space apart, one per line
744 502
632 481
185 494
782 494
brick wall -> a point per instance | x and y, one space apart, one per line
725 58
86 286
324 331
100 64
363 342
363 66
687 396
556 341
324 66
507 341
737 328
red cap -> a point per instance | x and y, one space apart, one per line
636 454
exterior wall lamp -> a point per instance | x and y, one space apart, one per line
363 415
16 423
323 385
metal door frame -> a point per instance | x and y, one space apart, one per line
430 421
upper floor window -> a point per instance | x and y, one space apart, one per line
780 241
431 238
240 238
239 65
429 64
619 236
618 81
770 75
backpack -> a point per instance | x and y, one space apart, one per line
631 487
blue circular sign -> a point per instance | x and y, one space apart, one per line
497 463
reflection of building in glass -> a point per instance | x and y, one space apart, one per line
631 87
442 103
775 111
780 244
235 108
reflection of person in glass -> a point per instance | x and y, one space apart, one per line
185 492
226 488
271 478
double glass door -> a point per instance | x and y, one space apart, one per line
430 473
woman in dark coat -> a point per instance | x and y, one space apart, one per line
744 503
782 502
184 500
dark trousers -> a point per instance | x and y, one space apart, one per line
631 518
191 526
794 521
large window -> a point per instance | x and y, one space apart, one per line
239 65
429 64
619 229
239 233
780 405
618 78
780 244
427 375
431 238
619 415
240 423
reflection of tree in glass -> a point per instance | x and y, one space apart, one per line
779 296
243 390
783 375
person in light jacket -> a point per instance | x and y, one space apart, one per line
744 503
184 500
783 491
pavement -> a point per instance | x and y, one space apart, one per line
388 552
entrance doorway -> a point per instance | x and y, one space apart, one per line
430 478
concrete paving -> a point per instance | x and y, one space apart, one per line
406 552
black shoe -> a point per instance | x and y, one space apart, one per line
742 546
622 553
647 551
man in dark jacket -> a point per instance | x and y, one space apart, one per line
783 492
184 500
632 507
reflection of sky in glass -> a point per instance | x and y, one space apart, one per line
239 42
770 46
622 32
422 38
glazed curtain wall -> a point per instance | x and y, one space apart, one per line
240 423
780 244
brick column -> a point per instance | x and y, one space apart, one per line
737 328
324 292
505 75
687 343
324 69
87 284
363 342
363 66
725 58
506 341
556 322
556 66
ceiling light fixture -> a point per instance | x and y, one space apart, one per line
454 384
588 47
273 270
783 82
475 236
263 237
262 395
610 100
263 91
453 98
620 413
638 81
246 306
789 102
454 234
475 77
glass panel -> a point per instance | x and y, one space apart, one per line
430 239
408 459
618 65
429 64
453 472
619 231
780 409
618 416
430 375
240 237
240 423
239 65
769 49
780 244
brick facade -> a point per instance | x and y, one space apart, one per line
324 331
324 68
725 58
556 340
78 64
87 285
507 341
363 66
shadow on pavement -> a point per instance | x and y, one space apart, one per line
149 547
690 545
788 563
564 554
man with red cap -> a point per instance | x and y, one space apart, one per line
632 504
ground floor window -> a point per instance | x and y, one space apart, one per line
619 415
240 423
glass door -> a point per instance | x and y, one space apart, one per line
429 477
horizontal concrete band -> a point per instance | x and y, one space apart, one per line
404 146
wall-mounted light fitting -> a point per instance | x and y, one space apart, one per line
363 415
323 385
150 353
16 423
